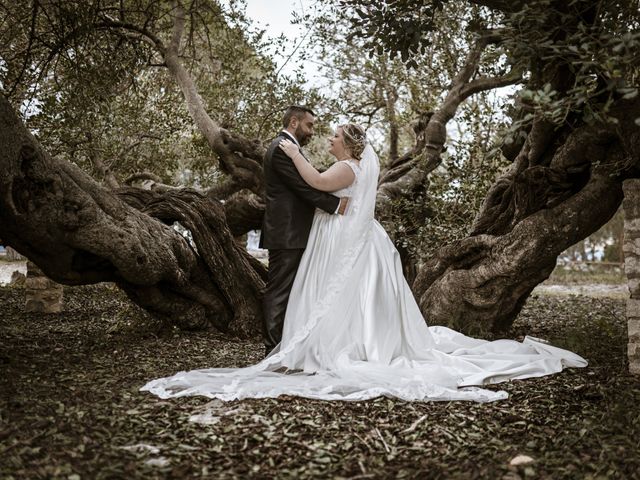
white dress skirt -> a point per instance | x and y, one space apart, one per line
353 330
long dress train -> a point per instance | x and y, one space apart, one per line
353 330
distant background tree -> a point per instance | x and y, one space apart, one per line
123 90
603 245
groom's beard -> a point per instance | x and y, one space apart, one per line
303 138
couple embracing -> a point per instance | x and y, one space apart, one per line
340 321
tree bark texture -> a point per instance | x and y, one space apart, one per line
563 184
78 232
541 206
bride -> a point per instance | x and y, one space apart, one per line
352 329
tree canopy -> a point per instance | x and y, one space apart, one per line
99 94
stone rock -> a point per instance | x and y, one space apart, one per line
39 305
33 305
634 286
43 295
18 278
633 350
633 308
521 460
38 283
12 255
631 248
633 327
631 264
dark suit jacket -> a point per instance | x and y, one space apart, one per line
290 201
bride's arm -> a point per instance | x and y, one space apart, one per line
336 177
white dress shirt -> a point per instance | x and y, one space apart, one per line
292 137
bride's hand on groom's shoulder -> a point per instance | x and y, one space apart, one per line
289 148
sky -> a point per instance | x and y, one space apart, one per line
275 16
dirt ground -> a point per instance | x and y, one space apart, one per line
70 406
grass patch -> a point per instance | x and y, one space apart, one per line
594 273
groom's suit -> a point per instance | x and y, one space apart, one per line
290 205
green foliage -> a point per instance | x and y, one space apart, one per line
606 275
595 45
384 95
399 27
424 222
101 97
601 56
597 41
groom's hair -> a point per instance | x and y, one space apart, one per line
297 111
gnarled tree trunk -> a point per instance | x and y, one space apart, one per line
77 232
564 183
540 207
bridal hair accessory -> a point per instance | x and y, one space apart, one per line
355 139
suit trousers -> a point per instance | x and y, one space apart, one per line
283 265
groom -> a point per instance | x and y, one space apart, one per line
290 204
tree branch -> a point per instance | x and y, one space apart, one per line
482 84
142 33
27 56
238 157
505 6
136 177
425 156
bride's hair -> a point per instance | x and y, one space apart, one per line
354 139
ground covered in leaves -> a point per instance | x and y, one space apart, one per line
70 406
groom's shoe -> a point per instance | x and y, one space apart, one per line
267 350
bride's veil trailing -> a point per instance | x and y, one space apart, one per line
353 330
258 380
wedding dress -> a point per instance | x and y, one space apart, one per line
353 330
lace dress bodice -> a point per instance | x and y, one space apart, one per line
348 191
